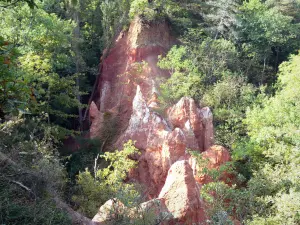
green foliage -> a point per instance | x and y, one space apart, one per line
229 98
108 182
281 123
40 62
23 192
222 201
84 157
184 81
193 68
32 141
218 210
115 17
204 72
14 91
286 7
138 7
18 208
220 16
149 10
260 19
269 35
273 132
11 4
48 59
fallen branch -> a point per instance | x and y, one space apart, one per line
23 186
76 217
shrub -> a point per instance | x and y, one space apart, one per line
95 189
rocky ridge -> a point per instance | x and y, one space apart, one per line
128 88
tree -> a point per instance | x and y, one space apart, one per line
10 3
30 172
286 7
196 66
273 132
221 18
15 93
266 33
44 61
229 98
94 189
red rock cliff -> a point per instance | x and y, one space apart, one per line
130 62
129 87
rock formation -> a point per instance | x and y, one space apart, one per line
161 141
131 62
128 86
181 194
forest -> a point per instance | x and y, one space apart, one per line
240 58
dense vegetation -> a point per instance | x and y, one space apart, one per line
238 57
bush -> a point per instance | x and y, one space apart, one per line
34 168
148 11
229 99
95 189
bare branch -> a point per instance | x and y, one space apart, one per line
23 186
76 217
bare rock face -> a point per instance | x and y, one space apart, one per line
178 203
109 211
181 194
96 119
160 145
150 212
208 128
186 116
149 130
146 127
132 61
144 34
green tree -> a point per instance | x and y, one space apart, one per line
14 91
197 66
94 189
267 34
45 65
273 132
221 18
229 99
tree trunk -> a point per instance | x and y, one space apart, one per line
77 62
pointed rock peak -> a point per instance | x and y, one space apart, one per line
206 113
185 109
208 127
186 116
138 92
94 112
153 102
186 101
154 88
180 187
139 103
